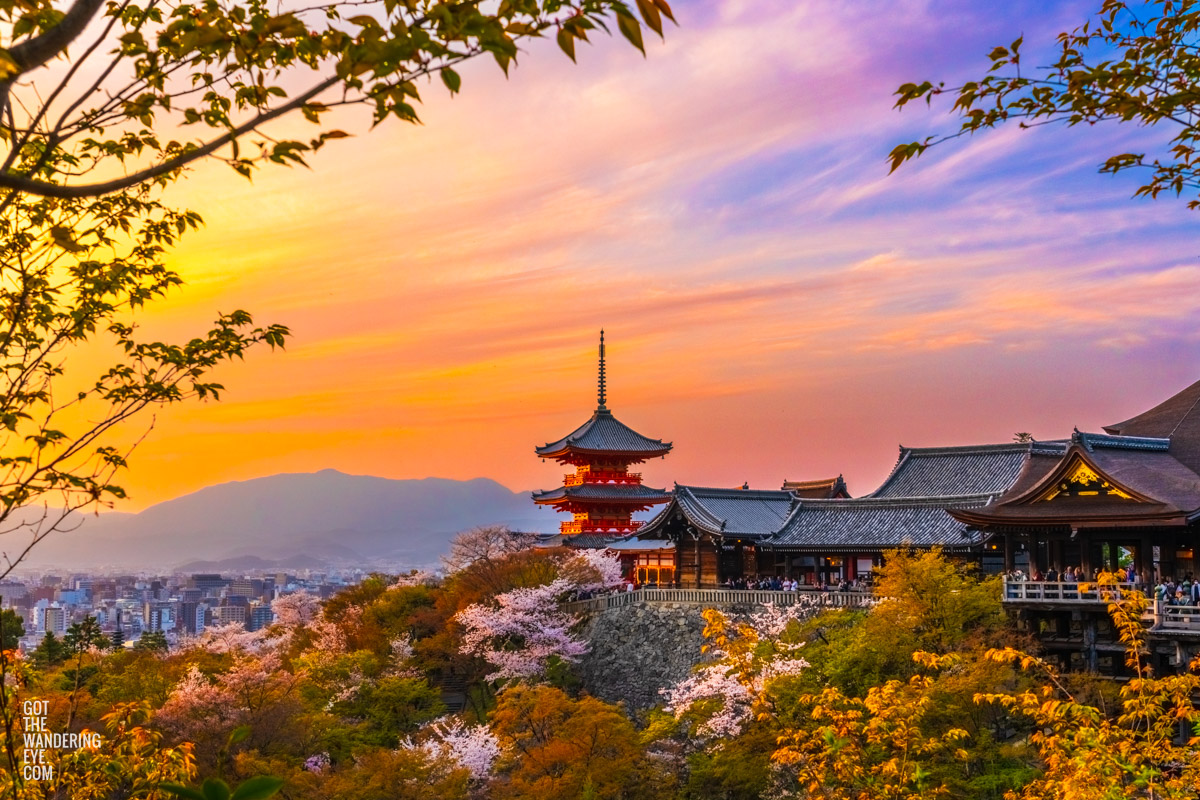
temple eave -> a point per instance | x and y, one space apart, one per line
564 454
1005 521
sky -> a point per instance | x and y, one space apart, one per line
774 302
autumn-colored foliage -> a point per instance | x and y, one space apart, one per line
335 703
559 748
1149 747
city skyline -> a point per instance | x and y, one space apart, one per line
775 304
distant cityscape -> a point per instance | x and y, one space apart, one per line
128 606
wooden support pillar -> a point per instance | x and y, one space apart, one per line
1144 563
1085 554
698 574
1089 644
1009 554
1056 555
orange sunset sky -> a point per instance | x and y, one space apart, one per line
775 304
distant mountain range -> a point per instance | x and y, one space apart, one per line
309 520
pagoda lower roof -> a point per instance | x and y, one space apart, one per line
605 435
629 543
634 493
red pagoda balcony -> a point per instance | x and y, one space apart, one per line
622 529
582 477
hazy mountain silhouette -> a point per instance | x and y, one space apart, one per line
328 516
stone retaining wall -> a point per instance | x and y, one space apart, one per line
640 648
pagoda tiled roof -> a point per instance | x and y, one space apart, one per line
614 492
605 434
952 471
877 524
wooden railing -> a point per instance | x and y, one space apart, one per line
721 598
601 476
1086 592
1176 618
1160 616
571 528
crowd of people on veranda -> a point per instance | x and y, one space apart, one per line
1182 592
778 584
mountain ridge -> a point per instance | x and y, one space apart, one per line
341 519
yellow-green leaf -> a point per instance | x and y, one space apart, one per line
567 42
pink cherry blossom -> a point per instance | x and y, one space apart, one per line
296 609
522 631
472 747
735 685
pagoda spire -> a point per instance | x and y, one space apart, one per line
602 495
602 407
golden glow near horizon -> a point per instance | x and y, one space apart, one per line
774 303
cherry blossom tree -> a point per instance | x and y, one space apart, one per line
296 609
197 706
725 694
485 544
232 637
593 570
471 747
523 630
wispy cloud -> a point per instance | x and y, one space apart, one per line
722 208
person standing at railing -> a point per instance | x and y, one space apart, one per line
1070 581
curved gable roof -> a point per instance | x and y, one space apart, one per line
748 513
954 471
1177 418
878 523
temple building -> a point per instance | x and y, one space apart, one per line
602 494
1126 499
816 533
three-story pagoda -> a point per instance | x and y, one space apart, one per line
602 494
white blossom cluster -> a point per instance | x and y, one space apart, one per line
472 747
733 687
523 629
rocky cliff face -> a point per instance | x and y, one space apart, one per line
639 649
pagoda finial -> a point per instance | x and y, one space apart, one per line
602 407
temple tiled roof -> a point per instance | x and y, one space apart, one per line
1162 487
877 523
747 513
780 519
615 492
1177 418
604 433
818 489
954 471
